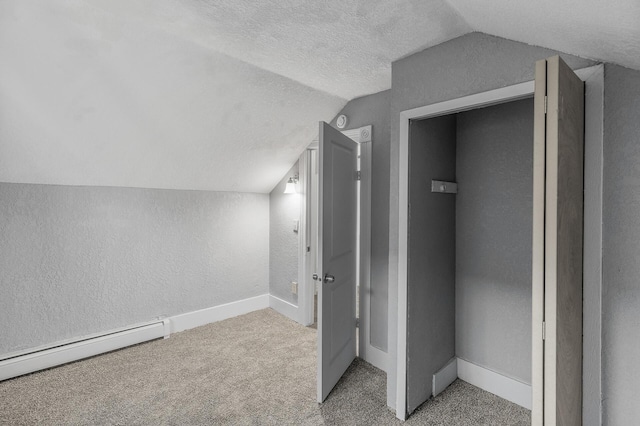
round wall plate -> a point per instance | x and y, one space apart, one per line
341 122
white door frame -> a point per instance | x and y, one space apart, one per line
366 350
363 137
308 247
479 100
338 252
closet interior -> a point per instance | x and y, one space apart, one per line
469 244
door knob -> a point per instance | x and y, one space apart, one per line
329 278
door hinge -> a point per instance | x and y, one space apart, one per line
358 175
544 330
357 322
546 101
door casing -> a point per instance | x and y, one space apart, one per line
338 257
363 136
479 100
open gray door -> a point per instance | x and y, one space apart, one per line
338 259
557 245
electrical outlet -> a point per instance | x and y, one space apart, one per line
294 287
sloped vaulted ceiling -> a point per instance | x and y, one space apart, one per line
223 94
606 30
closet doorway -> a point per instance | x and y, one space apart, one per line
490 250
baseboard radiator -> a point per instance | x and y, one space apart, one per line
20 363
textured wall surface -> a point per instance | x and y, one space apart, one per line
374 110
284 244
80 260
621 247
431 267
469 64
494 209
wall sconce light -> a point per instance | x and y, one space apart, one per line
291 185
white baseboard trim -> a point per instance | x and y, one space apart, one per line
64 352
377 358
445 376
35 359
505 387
283 307
218 313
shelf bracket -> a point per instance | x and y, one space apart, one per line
444 187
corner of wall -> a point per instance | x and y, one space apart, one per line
284 217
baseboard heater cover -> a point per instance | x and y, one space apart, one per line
42 358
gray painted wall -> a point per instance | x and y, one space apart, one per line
469 64
493 237
432 255
374 110
284 209
621 248
81 260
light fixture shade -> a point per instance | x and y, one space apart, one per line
291 187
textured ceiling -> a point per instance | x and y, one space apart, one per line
596 29
223 94
343 47
91 96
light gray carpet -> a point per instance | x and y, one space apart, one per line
257 369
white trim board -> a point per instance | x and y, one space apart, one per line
366 350
56 354
478 100
592 264
488 380
505 387
376 357
42 357
283 307
306 248
444 377
205 316
358 135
